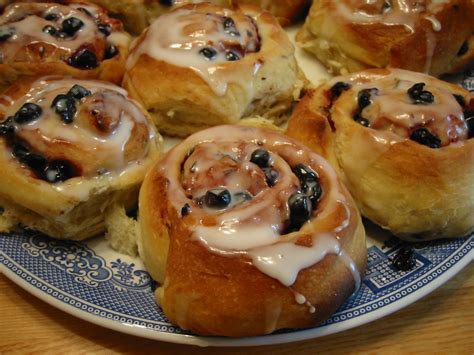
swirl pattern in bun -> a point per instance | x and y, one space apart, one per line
78 39
248 232
70 149
203 65
403 141
426 36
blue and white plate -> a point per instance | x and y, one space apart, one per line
92 282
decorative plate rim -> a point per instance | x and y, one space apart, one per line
419 288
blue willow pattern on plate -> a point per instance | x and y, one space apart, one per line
118 290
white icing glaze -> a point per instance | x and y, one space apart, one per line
254 229
27 20
301 299
401 13
107 146
394 115
179 36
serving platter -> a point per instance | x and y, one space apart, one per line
93 282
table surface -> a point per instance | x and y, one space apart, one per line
442 322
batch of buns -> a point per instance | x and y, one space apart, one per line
250 224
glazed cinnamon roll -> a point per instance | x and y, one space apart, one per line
45 38
69 150
286 11
426 36
404 143
248 232
203 65
139 14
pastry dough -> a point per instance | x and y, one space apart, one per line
404 143
425 36
139 14
286 11
248 232
78 39
70 149
203 65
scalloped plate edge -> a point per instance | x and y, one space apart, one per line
21 273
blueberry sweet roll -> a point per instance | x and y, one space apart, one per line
286 11
403 141
78 39
203 65
248 232
139 14
69 150
434 37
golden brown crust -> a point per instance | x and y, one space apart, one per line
182 102
139 14
415 191
74 205
347 42
41 58
286 11
213 294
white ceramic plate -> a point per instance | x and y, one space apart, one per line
92 282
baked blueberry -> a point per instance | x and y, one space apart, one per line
208 52
78 92
27 113
309 181
84 59
166 2
404 259
304 173
364 97
229 27
217 198
71 25
300 210
36 163
185 210
6 127
65 107
111 51
51 16
49 30
420 96
104 28
231 56
271 176
260 157
425 137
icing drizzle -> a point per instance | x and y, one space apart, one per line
45 32
106 133
206 42
255 227
394 114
